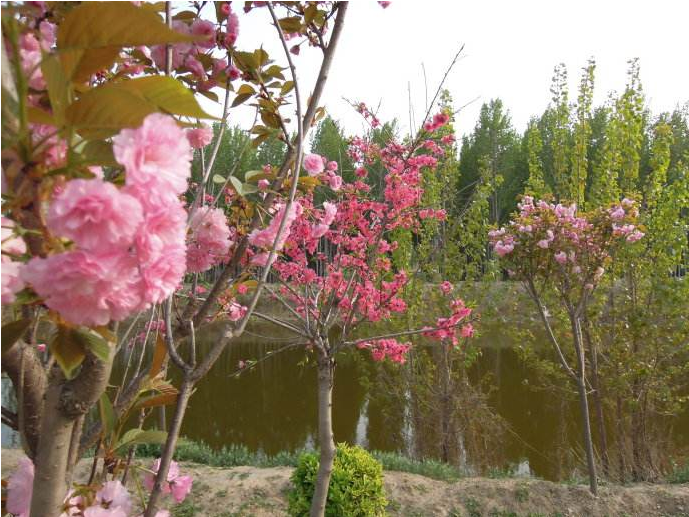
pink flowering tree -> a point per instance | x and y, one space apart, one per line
100 224
553 246
332 307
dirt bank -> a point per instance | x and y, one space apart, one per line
251 491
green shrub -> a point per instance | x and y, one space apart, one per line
356 485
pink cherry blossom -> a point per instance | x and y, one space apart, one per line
232 26
11 244
20 488
209 239
467 331
113 495
85 288
236 311
446 287
177 485
561 257
314 164
265 238
543 243
156 156
503 249
263 185
206 29
635 236
95 214
200 137
99 511
335 182
12 281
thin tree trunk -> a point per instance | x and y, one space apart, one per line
584 405
621 442
170 445
326 374
598 400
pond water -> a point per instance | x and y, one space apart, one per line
272 408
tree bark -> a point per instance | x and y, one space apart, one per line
326 375
170 445
33 389
65 403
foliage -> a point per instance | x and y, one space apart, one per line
356 486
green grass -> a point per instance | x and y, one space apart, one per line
238 455
679 474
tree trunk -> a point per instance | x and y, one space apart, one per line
326 374
28 376
598 400
584 405
50 484
621 442
66 402
170 445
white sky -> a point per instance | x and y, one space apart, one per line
510 49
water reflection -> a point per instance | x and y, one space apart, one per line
272 408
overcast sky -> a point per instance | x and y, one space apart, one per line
510 49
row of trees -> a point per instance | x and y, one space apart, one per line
635 327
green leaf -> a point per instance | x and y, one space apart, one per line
13 331
98 152
256 175
122 24
168 95
243 189
91 340
239 99
290 24
105 110
68 351
80 64
287 87
136 436
217 178
107 413
58 86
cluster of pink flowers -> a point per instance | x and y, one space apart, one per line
266 237
449 329
128 244
12 247
359 279
209 240
439 120
317 165
387 348
366 113
110 500
30 53
548 237
191 57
